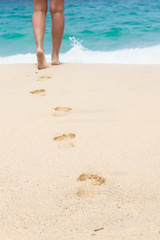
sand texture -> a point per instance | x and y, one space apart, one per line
80 152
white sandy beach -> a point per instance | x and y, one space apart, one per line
111 136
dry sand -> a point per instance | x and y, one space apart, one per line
80 152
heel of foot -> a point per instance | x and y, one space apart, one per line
56 62
41 60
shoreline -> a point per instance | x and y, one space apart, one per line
79 54
80 152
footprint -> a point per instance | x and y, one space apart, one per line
61 111
65 140
89 188
65 145
64 137
94 179
39 92
86 192
44 78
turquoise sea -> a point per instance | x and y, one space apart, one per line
102 31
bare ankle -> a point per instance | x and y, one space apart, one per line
40 50
55 55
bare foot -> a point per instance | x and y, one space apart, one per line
55 61
41 61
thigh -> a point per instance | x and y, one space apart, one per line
40 5
57 5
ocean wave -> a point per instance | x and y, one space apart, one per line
79 54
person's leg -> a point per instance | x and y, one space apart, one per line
57 13
39 22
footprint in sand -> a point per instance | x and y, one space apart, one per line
65 140
40 92
90 184
43 78
86 192
94 179
61 111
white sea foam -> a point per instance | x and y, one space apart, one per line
79 54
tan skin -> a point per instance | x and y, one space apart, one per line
39 23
